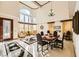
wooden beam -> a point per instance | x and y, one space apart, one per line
66 20
5 18
50 22
60 21
27 5
27 23
46 3
36 3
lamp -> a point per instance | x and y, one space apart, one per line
51 11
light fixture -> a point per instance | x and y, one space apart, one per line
51 13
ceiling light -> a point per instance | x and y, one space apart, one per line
51 13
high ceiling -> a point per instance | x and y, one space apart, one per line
39 4
42 2
34 4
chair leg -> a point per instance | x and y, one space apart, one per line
47 47
37 48
52 46
62 46
42 50
55 44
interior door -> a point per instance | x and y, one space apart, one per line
7 29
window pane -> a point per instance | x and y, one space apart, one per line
21 27
30 27
26 27
21 18
30 19
34 27
26 19
25 11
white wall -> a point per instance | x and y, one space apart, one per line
10 9
71 8
60 8
61 11
44 29
75 36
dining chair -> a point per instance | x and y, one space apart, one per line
68 35
59 43
42 44
56 43
42 33
21 53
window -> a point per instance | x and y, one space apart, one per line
21 18
34 27
26 21
25 11
21 27
25 16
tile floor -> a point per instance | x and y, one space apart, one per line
68 50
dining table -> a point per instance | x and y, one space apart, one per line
50 39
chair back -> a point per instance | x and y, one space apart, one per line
68 33
42 33
55 34
21 53
39 38
63 38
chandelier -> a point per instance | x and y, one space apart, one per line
51 13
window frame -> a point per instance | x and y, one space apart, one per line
26 23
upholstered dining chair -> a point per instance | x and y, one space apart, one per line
68 35
21 53
42 33
42 44
59 43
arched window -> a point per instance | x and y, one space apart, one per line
25 16
25 11
26 21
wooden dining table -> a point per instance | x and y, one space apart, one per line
48 38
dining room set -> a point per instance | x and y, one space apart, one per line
50 41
